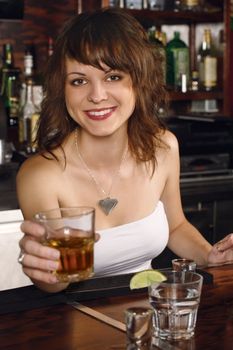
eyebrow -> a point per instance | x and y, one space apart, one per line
79 73
83 74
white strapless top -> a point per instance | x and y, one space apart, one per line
131 247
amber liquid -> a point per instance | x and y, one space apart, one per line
76 261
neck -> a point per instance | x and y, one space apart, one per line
101 152
106 203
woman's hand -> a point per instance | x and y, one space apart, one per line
222 251
39 261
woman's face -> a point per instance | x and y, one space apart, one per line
100 101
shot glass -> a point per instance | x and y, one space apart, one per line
71 231
175 303
138 328
184 265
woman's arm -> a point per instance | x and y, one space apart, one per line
185 240
37 190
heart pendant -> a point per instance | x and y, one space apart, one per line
107 204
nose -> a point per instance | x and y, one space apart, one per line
97 93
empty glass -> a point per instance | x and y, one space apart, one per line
138 328
184 265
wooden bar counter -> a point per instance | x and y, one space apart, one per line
61 327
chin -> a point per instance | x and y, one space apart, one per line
103 132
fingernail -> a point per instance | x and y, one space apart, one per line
55 254
53 265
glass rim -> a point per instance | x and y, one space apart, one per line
84 210
174 272
183 260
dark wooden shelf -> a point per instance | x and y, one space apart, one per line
171 17
11 20
195 95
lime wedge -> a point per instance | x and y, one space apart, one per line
146 278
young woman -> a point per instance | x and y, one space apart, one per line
101 144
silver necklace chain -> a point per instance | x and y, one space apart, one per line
116 174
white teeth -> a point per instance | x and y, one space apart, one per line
100 113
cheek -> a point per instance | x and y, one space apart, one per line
72 100
130 101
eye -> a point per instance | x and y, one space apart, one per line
78 81
114 77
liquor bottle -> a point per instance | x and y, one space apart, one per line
177 62
10 85
157 38
28 110
194 84
135 4
35 81
207 62
190 5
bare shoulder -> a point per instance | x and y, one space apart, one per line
170 147
37 167
37 182
170 140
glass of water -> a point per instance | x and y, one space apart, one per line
175 303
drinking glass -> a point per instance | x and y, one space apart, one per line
138 328
71 231
175 303
184 265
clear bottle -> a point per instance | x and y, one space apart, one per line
30 72
207 62
177 62
31 98
28 110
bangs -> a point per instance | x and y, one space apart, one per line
96 51
102 41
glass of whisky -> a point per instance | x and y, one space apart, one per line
71 231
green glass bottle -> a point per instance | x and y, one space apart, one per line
10 85
177 59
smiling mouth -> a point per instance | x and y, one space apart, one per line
100 114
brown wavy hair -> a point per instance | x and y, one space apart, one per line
113 37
